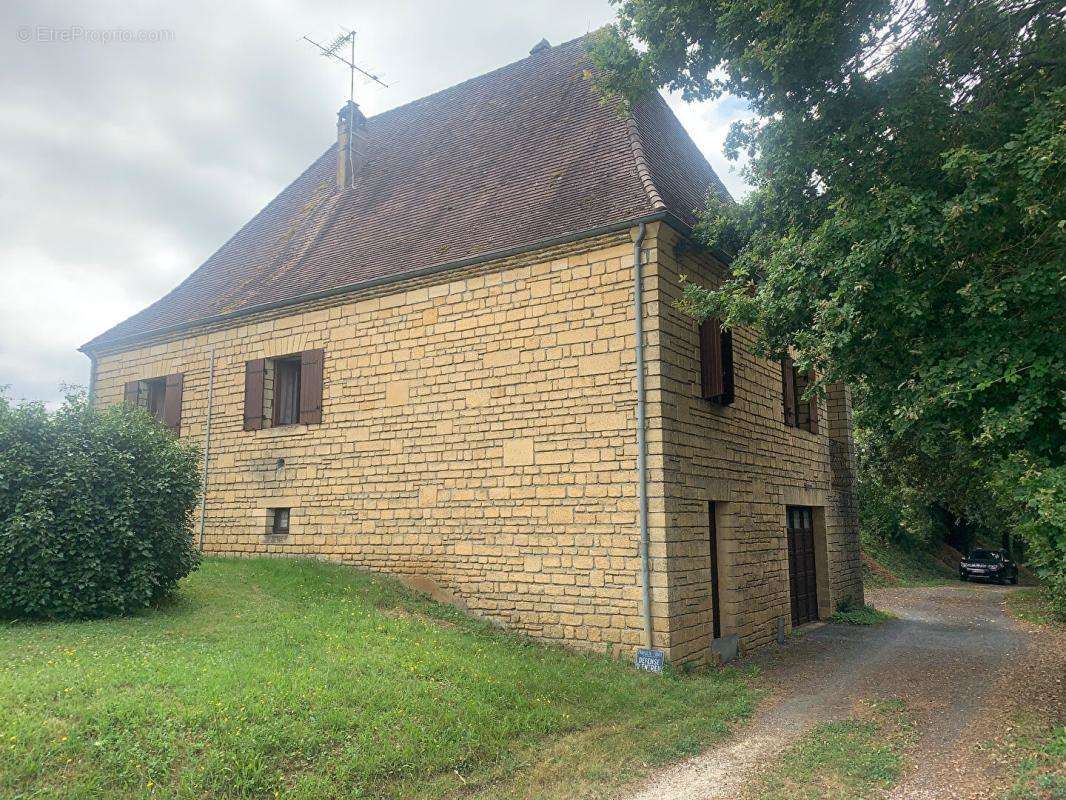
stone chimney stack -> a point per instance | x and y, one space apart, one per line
352 143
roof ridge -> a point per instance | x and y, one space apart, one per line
453 87
640 162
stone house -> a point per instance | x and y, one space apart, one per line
421 358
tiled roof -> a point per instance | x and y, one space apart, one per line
507 160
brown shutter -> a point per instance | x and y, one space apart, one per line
711 359
172 402
254 376
132 393
728 383
812 416
788 391
311 386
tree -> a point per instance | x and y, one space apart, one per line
905 232
95 510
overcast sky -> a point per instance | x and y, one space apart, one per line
125 164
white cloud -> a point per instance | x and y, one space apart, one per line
124 165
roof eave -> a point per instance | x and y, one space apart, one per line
95 346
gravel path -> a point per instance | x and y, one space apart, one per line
962 666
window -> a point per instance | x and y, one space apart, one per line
283 391
798 413
160 397
716 362
286 394
154 392
279 521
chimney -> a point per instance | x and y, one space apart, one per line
351 149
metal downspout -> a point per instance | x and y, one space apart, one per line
207 446
92 379
642 443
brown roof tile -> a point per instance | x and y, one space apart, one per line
507 160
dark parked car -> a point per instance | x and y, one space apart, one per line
988 565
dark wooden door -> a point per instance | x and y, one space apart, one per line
802 576
716 603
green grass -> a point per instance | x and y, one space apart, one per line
847 759
1031 605
859 615
276 678
911 567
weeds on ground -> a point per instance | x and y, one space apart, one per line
1040 752
1031 605
855 758
851 613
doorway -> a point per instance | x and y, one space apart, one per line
802 570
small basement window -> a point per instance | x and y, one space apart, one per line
279 521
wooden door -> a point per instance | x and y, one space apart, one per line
802 574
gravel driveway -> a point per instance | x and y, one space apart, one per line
962 666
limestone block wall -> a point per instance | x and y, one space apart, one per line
477 436
478 440
749 463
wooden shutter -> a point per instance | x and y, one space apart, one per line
728 384
311 362
788 390
172 402
132 393
254 377
812 416
711 358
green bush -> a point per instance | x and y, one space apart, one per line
95 510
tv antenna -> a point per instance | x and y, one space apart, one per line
334 50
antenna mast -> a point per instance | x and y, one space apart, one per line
333 51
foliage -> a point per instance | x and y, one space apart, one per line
314 680
1034 605
903 563
851 613
906 228
94 510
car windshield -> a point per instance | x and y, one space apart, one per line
983 555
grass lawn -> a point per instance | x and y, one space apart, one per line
276 678
848 759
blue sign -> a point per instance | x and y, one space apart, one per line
651 660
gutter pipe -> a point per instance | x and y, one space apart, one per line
207 446
92 378
642 444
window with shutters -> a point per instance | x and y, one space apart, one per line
285 390
160 397
798 413
716 362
